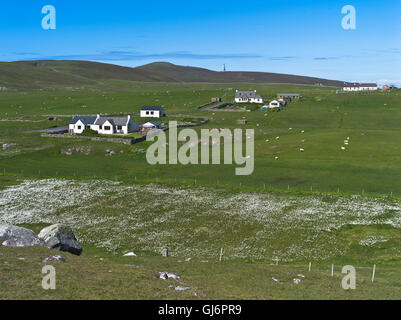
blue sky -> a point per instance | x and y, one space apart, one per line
286 36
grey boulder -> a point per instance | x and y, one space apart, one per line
12 236
60 237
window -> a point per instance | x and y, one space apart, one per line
147 112
152 113
119 127
107 128
79 127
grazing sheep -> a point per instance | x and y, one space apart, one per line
301 149
302 131
342 148
275 158
277 138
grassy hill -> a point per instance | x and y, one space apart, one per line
44 74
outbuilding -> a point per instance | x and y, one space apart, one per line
152 112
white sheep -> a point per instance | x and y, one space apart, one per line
342 148
275 158
301 149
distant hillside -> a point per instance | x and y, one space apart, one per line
42 74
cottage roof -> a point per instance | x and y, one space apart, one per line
152 108
84 119
114 120
247 95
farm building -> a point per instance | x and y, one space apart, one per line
152 112
288 97
103 124
150 126
348 86
248 97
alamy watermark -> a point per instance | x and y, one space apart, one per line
49 20
349 280
188 153
49 278
349 20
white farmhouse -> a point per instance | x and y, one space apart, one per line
247 97
103 124
348 86
152 112
79 123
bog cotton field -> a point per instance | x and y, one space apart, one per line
197 222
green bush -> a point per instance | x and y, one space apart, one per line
90 133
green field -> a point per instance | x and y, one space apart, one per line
324 205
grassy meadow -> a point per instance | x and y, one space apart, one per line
325 205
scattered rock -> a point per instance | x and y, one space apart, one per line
165 252
12 236
301 275
76 150
60 237
168 275
53 258
130 254
110 152
8 145
133 265
296 281
179 288
276 280
188 260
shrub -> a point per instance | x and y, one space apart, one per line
90 133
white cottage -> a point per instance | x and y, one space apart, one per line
248 97
360 86
104 124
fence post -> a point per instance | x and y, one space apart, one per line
221 254
373 273
332 270
310 265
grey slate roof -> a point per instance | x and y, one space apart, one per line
358 85
116 121
85 119
247 95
